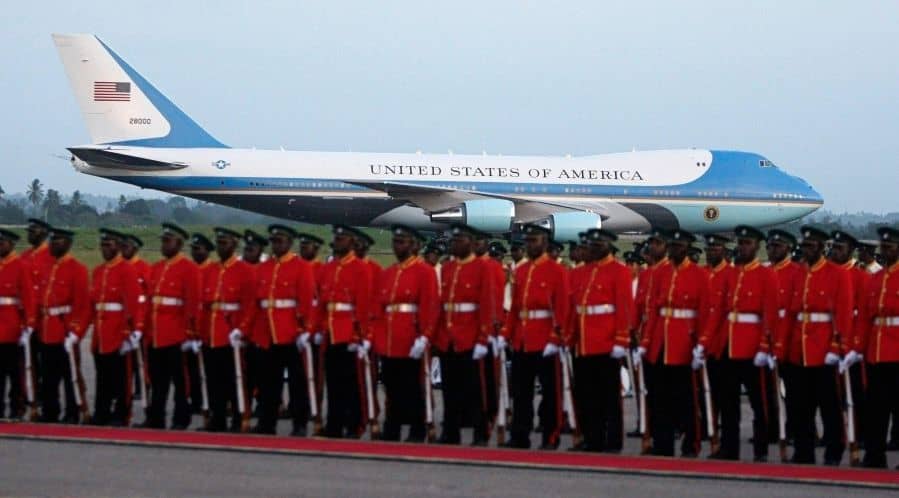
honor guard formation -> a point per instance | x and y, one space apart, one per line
516 340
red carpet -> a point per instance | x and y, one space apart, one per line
458 455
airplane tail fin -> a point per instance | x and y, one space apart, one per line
119 106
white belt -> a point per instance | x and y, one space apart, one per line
109 307
781 313
226 306
9 301
401 308
813 317
168 301
277 303
460 307
735 317
142 299
59 310
341 307
535 314
677 313
596 309
887 321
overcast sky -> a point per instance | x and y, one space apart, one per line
812 85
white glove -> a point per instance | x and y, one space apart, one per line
500 344
479 351
637 356
125 348
550 349
831 359
318 338
760 360
70 341
196 345
851 358
235 336
772 361
364 348
302 341
26 336
698 357
618 352
418 347
134 338
186 346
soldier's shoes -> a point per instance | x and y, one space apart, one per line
69 419
298 431
148 425
720 455
263 430
634 434
689 454
549 446
874 465
582 446
479 443
760 458
446 439
515 444
178 427
893 445
414 438
832 462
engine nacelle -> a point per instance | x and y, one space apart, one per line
488 215
566 226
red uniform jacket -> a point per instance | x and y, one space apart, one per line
174 301
17 304
229 301
859 278
745 316
498 286
208 273
285 291
597 288
65 302
316 265
142 272
466 317
540 301
716 341
344 300
646 283
789 277
115 310
825 290
38 261
880 317
675 313
407 305
374 273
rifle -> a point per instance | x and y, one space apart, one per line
78 387
371 415
429 400
204 390
310 388
142 375
850 421
502 414
241 391
567 398
29 383
643 422
629 362
781 417
711 425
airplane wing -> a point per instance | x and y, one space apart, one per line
434 199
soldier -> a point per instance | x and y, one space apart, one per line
173 319
600 334
533 330
516 252
200 250
64 314
253 247
363 245
228 296
464 330
867 257
719 270
38 261
116 313
17 320
880 336
407 306
433 253
780 245
485 368
285 293
129 247
742 319
675 314
309 250
554 250
822 305
343 302
497 252
695 254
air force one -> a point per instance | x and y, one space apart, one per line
140 137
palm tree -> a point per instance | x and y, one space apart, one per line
35 192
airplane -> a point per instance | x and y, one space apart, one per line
138 136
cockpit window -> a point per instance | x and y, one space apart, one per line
764 163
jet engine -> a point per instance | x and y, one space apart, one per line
488 215
566 226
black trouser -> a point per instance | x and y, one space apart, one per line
894 415
274 361
402 379
345 392
814 388
110 402
10 361
526 368
167 367
194 392
772 392
221 386
788 375
713 367
732 375
463 398
597 396
55 368
488 364
858 381
883 389
674 400
253 371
